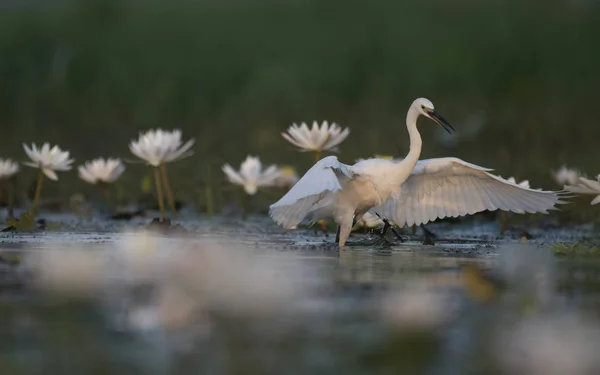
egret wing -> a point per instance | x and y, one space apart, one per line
315 190
450 187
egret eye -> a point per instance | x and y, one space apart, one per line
422 107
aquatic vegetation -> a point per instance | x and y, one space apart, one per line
576 250
8 169
586 186
287 177
316 139
101 170
251 176
369 221
566 176
158 147
48 160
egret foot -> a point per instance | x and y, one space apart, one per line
429 236
387 226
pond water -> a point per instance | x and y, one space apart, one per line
231 297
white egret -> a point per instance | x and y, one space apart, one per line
407 192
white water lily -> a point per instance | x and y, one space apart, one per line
158 147
369 221
566 176
287 177
8 168
586 186
251 175
316 139
48 159
524 183
101 170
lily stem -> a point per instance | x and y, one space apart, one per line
10 189
245 204
106 192
38 192
159 194
210 207
317 155
165 180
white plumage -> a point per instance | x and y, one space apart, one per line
451 187
407 191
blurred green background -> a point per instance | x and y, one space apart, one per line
518 80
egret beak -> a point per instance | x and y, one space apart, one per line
440 120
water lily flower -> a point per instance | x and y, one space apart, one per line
316 139
524 183
101 170
369 221
586 186
158 147
8 168
48 160
566 176
251 175
287 177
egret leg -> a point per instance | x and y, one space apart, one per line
345 229
387 226
503 222
337 234
429 236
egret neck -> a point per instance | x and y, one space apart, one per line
415 137
405 167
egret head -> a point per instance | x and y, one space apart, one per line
425 107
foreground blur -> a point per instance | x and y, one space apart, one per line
182 305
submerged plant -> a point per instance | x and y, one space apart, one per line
48 160
316 139
158 147
101 172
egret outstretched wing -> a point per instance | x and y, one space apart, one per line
312 192
450 187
